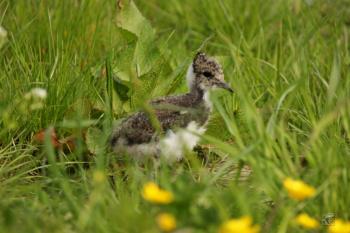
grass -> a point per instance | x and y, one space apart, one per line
288 62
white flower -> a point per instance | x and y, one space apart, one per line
3 32
35 98
3 36
38 92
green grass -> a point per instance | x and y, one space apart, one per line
288 62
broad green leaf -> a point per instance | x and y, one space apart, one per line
146 53
129 18
93 141
124 55
122 89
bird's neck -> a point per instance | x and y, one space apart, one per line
198 96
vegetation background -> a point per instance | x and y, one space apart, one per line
288 61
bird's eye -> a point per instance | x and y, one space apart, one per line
207 74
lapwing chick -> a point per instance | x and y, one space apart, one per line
182 117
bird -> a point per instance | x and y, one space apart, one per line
182 118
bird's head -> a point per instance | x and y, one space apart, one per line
206 73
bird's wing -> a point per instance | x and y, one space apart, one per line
178 111
136 129
171 112
178 100
171 119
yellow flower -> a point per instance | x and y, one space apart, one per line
298 190
240 225
166 222
306 221
339 226
152 193
98 177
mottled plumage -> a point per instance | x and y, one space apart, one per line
137 137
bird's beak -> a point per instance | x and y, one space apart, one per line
222 84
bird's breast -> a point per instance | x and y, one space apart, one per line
174 144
